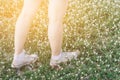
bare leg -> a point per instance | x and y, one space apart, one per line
56 13
23 23
22 27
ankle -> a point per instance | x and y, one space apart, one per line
56 57
19 52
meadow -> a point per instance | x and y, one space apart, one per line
90 26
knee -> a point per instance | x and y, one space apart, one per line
55 22
27 13
55 19
56 11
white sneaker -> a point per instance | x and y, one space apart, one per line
23 59
65 56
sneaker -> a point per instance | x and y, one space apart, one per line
65 56
23 59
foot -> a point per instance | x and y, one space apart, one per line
65 56
23 59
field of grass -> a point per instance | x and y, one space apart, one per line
90 26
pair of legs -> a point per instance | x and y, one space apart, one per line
56 12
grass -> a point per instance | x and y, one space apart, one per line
90 26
